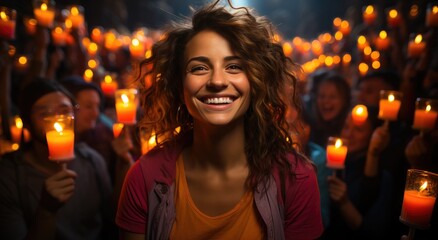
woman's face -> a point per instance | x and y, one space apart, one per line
86 116
216 87
358 137
329 101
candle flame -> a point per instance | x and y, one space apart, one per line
428 108
361 39
108 79
345 24
393 13
18 122
338 143
383 34
22 60
3 16
423 187
44 7
92 63
58 30
359 110
135 42
124 98
58 127
152 140
391 98
337 22
435 9
418 38
369 9
74 11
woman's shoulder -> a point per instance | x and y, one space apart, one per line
301 166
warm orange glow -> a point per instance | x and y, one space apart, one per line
369 9
393 13
418 38
22 60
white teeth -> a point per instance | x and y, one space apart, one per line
218 100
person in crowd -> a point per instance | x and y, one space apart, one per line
330 108
230 170
45 199
361 193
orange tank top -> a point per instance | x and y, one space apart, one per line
241 222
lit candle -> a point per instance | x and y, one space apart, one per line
416 46
44 14
59 36
30 25
425 114
345 28
21 63
7 23
432 16
60 138
126 106
336 153
359 114
88 75
389 105
419 198
117 129
148 144
393 18
97 35
362 42
369 15
108 85
382 42
363 68
137 48
16 129
92 48
76 16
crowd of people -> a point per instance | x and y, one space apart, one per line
231 130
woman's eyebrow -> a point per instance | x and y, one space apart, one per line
207 60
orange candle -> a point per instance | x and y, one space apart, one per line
359 114
44 14
137 48
61 144
30 25
97 35
16 129
432 16
417 207
76 16
7 23
345 28
117 129
416 47
389 107
108 85
369 15
393 18
126 106
59 36
424 120
336 153
382 42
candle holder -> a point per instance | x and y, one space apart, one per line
418 200
7 23
60 137
432 15
426 111
44 11
336 153
389 105
126 105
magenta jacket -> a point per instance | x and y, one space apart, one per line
147 206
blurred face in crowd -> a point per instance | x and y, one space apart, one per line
55 103
358 137
216 87
368 91
329 101
86 116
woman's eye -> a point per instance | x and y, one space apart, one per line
234 68
198 70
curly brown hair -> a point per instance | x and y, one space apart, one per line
268 70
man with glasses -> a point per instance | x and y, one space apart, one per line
40 198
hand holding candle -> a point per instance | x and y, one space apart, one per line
336 153
44 12
419 198
60 137
126 105
389 105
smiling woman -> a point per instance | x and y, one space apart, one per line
217 176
